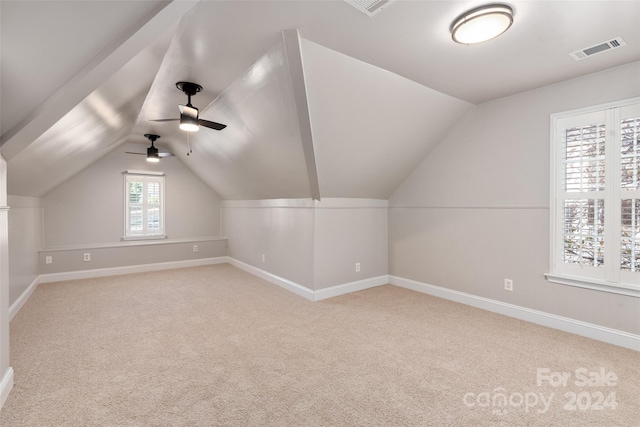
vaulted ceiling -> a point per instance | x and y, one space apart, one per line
346 109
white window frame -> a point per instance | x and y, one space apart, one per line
144 177
610 277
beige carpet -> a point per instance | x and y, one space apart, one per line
216 346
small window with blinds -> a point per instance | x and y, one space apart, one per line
595 200
144 206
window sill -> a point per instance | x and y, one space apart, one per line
596 285
153 237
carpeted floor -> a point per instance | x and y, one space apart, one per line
214 345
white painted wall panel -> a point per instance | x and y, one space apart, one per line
69 260
25 240
314 244
346 236
283 234
476 210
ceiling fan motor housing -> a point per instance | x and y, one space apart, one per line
189 88
152 152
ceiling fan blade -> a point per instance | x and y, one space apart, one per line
211 125
159 154
165 120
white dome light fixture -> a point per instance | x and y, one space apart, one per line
482 24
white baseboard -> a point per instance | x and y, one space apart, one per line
6 384
589 330
142 268
305 292
347 288
22 299
276 280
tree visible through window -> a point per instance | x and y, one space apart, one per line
144 206
596 201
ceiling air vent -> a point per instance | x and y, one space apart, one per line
370 7
598 48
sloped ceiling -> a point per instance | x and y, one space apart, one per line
37 34
370 126
260 154
93 128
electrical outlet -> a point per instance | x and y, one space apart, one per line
195 248
48 259
508 285
87 256
263 258
357 267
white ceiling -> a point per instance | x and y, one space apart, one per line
58 56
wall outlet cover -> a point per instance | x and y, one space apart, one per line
508 285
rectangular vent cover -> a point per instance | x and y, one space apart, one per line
370 7
598 48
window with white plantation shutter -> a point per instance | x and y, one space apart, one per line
595 200
144 206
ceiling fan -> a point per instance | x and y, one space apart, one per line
189 120
153 155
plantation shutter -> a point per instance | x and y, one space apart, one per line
581 196
144 206
629 123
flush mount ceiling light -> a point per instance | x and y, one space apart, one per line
482 24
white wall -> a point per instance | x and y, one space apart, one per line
89 208
348 232
476 210
25 240
314 244
282 230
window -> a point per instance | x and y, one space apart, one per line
595 198
144 206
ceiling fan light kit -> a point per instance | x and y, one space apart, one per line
189 118
152 152
481 24
152 156
188 113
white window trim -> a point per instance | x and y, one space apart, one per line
144 175
597 285
556 276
